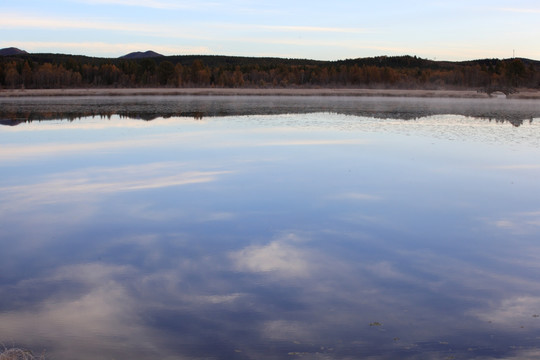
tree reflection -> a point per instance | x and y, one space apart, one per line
15 111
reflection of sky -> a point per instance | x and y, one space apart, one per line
270 237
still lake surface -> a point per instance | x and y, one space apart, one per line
270 228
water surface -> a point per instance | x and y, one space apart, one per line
270 228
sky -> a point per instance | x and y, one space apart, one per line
321 30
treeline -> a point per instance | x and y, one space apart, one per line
66 71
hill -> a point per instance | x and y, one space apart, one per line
11 51
141 55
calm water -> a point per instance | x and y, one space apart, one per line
270 228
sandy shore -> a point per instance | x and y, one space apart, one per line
525 94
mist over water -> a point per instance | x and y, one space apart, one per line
153 107
270 227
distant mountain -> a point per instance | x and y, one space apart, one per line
12 51
141 55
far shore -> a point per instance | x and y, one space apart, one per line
463 94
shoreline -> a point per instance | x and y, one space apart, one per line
88 92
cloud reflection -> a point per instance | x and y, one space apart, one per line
517 167
30 151
91 182
356 196
520 223
279 258
200 136
513 311
100 320
200 286
312 298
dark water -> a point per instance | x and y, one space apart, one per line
270 228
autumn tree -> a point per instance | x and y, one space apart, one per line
515 71
109 74
165 72
146 73
27 76
11 75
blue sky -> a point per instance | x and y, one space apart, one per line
324 30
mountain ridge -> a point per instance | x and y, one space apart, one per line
372 60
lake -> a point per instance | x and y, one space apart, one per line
262 227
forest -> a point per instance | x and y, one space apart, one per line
46 71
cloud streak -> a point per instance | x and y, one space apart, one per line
19 20
24 21
306 29
521 10
157 4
